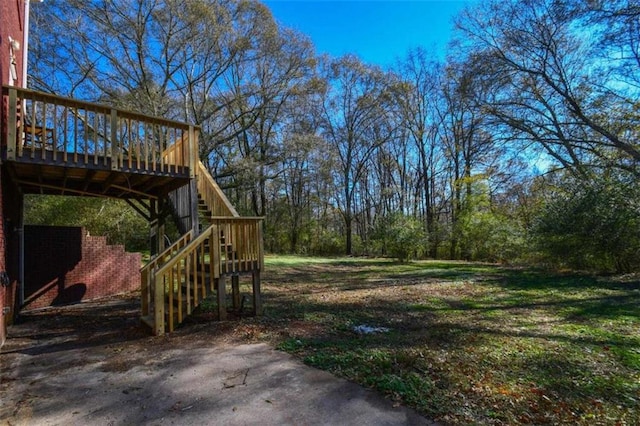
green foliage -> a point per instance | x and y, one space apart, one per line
100 216
327 243
388 371
401 236
485 231
491 236
591 225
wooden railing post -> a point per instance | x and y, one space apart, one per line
158 306
193 151
221 281
214 248
12 124
115 151
145 291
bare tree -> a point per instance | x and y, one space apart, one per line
418 93
550 82
355 125
266 89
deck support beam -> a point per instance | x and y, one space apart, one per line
257 295
138 209
222 297
157 226
235 292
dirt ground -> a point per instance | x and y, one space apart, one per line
95 364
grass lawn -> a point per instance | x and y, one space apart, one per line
464 343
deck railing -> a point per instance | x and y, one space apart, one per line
49 128
212 195
230 246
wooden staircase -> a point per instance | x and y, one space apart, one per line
62 146
176 281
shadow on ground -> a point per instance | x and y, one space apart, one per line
94 364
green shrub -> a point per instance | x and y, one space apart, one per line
591 225
401 236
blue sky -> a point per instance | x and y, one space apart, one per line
377 31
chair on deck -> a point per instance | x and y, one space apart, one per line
37 137
34 136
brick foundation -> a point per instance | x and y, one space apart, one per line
65 265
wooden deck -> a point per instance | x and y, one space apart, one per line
55 145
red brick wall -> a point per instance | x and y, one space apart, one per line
11 21
64 265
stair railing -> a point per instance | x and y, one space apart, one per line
147 272
231 245
212 195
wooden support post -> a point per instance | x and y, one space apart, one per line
156 229
145 293
257 295
158 307
235 292
153 228
193 181
222 298
192 159
161 224
193 201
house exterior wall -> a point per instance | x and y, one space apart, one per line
66 265
11 26
12 19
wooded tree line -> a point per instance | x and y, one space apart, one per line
521 145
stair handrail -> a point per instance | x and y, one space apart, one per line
246 232
211 192
147 272
175 247
158 282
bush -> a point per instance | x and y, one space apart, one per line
401 236
591 225
327 243
491 236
